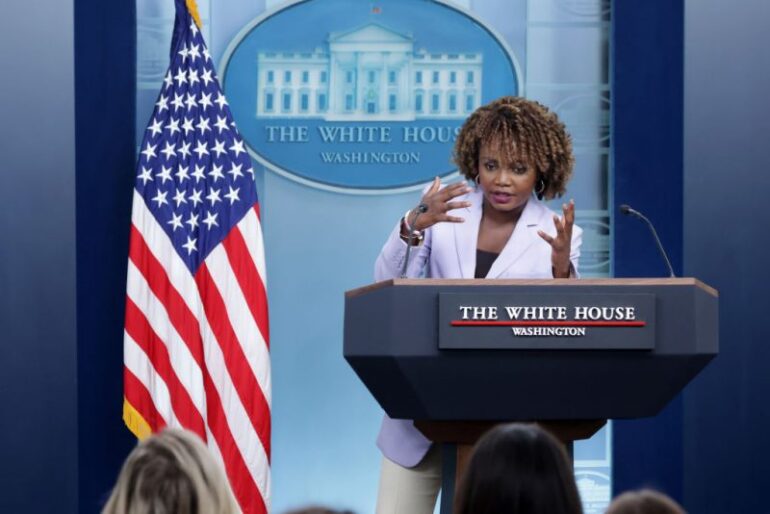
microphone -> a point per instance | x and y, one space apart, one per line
628 211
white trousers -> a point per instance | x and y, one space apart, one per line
410 490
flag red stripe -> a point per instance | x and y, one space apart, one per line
249 279
241 480
251 395
184 321
139 397
187 325
140 331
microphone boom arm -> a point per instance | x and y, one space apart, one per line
628 211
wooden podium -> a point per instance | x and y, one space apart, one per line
458 356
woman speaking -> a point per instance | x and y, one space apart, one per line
516 153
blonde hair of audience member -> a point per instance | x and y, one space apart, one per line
171 472
518 469
645 501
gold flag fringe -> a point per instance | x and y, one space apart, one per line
135 422
193 8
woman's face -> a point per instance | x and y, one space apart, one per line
507 186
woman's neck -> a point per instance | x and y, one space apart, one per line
496 217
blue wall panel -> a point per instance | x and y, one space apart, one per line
706 114
647 89
727 179
105 42
68 158
38 425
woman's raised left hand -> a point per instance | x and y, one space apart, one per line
562 242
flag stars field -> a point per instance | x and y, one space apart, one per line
191 129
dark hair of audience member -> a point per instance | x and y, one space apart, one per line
517 469
172 472
645 501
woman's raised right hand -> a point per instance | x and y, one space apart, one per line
440 201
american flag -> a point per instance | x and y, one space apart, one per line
196 347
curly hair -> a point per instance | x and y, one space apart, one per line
522 128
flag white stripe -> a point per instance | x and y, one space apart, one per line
251 230
240 317
243 433
140 365
214 448
182 361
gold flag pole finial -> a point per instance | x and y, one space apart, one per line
193 8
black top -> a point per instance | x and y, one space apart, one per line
484 262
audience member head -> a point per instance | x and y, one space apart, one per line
518 468
645 501
171 472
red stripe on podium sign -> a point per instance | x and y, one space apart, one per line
490 323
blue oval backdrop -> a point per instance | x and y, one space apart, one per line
358 96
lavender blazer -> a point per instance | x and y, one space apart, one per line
449 251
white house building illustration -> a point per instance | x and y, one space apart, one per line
370 73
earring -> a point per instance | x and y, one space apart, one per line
540 187
477 180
